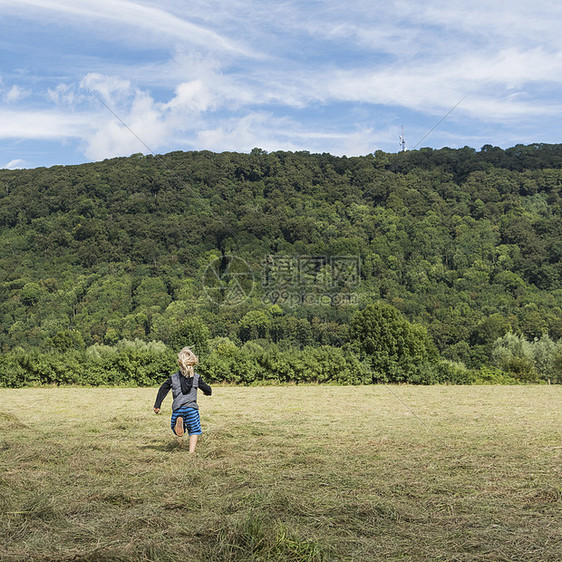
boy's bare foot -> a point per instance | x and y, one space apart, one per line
179 427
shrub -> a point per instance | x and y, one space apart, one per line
139 363
129 362
492 375
528 361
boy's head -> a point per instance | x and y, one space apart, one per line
187 361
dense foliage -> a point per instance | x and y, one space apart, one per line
462 247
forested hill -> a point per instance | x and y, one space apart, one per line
467 243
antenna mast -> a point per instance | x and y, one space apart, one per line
402 141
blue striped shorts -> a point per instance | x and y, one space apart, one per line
191 420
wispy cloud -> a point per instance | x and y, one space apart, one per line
517 22
317 75
158 22
497 86
16 93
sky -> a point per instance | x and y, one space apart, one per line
85 80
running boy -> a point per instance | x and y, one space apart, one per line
184 385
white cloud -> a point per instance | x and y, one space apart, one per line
516 21
109 88
16 93
139 122
111 139
158 22
15 164
65 95
497 87
236 134
40 124
272 133
141 129
511 68
192 96
132 120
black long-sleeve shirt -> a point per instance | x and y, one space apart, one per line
186 384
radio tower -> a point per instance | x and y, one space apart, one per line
402 141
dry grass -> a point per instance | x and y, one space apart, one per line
284 473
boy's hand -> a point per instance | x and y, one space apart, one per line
156 410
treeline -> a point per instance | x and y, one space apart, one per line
465 243
383 347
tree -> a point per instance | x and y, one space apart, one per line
191 332
68 340
255 324
151 292
396 348
30 294
527 360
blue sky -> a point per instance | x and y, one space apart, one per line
317 75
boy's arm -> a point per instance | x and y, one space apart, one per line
162 392
207 390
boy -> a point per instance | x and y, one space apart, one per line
184 385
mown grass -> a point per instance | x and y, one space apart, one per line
298 473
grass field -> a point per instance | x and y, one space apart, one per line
284 473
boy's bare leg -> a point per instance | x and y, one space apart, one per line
192 443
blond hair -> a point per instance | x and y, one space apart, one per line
187 361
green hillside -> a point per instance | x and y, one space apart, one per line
280 250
